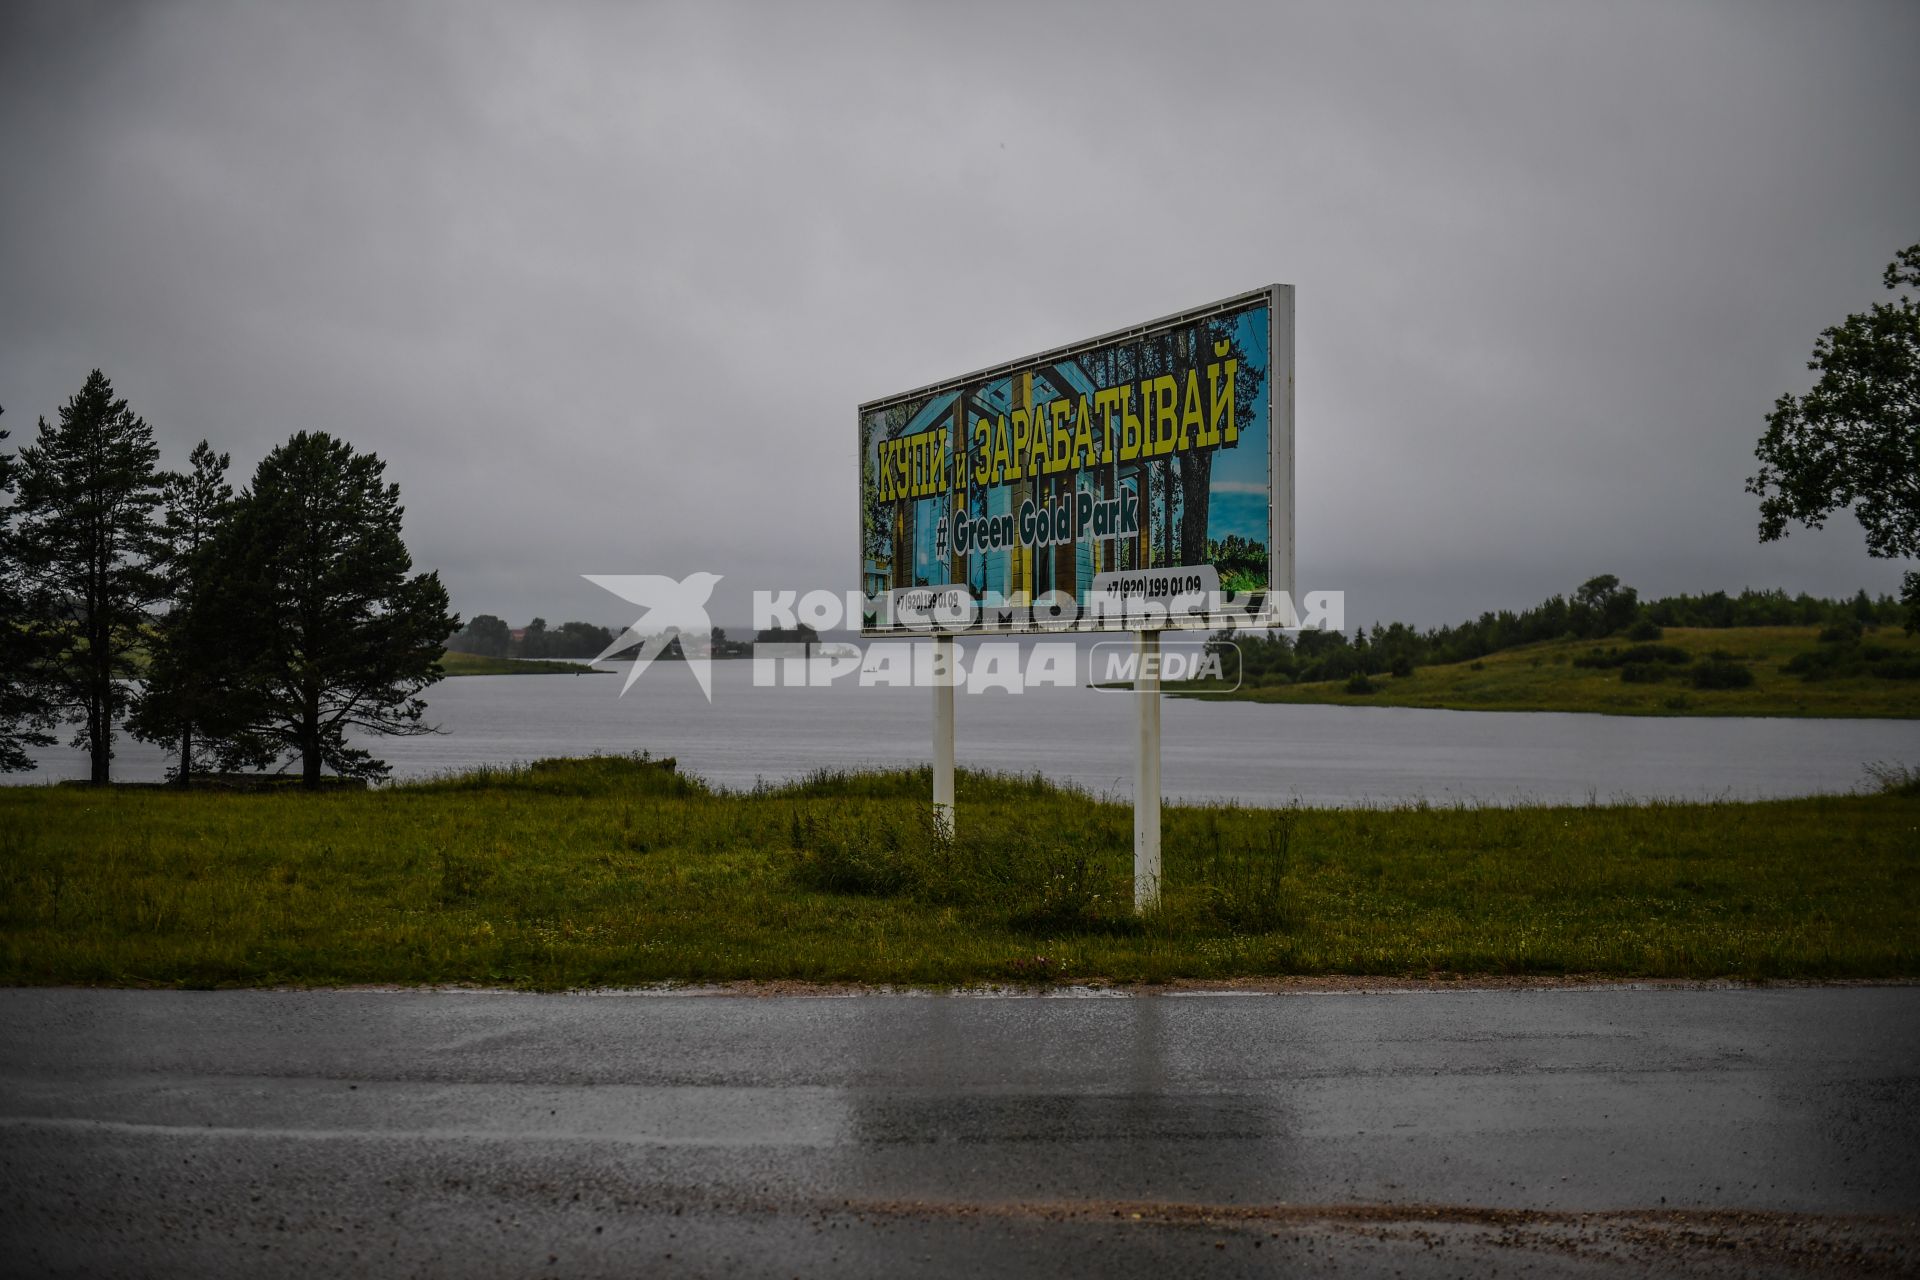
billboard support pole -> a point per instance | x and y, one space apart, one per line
953 497
943 734
1146 771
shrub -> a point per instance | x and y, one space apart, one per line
1645 629
1825 663
1895 779
1721 672
1246 893
1358 683
858 860
595 775
1642 673
1076 896
1842 632
1402 667
1830 661
1671 654
1808 666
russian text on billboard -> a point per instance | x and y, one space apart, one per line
1157 455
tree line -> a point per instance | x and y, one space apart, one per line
240 630
488 636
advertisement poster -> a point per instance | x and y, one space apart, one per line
1154 462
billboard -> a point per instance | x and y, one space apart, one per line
1139 479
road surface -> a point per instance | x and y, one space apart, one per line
1606 1131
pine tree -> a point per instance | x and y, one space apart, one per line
312 590
24 711
86 546
195 699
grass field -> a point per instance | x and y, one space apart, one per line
472 664
613 871
1544 678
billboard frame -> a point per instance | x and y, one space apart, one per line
1279 393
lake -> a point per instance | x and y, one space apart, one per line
1221 751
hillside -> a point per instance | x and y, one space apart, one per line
1558 676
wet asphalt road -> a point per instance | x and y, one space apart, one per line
1586 1132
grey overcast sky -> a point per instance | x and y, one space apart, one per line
603 284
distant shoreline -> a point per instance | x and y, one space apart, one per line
1552 677
454 663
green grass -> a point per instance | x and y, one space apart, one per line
1543 678
612 871
472 664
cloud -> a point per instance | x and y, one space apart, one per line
604 284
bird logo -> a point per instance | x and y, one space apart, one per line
673 608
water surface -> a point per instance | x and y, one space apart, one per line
1243 752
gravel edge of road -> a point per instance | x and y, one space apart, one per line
1315 984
